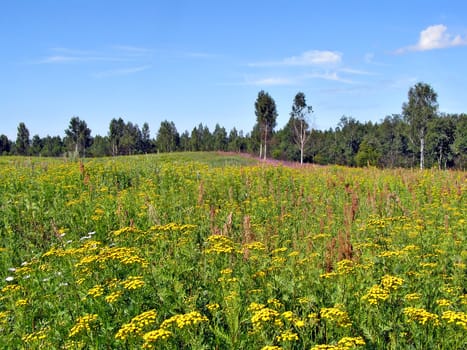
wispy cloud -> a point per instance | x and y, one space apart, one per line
355 71
121 71
308 58
333 76
270 81
435 37
296 79
60 55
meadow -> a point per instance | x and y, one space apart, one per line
205 251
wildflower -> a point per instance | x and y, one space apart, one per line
258 246
154 336
21 302
133 282
83 323
351 342
262 316
420 316
271 347
113 297
9 279
288 335
391 283
11 288
336 315
459 318
96 291
255 306
443 302
183 320
412 296
73 344
274 302
219 244
375 294
136 325
326 347
34 336
213 307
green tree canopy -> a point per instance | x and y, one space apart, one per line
421 107
266 115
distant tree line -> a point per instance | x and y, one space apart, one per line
419 136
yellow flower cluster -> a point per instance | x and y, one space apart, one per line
443 302
34 336
136 325
113 297
74 345
11 288
391 283
219 244
413 296
83 323
21 302
271 347
293 319
124 255
133 282
275 303
153 336
213 307
459 318
382 291
255 306
172 227
262 316
96 291
258 246
287 335
336 315
184 320
421 316
126 230
351 342
345 343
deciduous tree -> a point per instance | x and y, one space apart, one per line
421 107
266 115
299 118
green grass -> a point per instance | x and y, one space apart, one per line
213 251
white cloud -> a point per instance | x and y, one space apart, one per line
435 37
122 71
333 76
308 58
313 57
271 81
60 55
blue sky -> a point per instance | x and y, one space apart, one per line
194 62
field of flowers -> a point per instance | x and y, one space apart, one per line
203 252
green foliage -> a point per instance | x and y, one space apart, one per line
78 136
420 109
266 115
23 142
197 250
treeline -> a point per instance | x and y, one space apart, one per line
419 136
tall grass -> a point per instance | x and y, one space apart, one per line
204 252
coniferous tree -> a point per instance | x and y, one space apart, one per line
23 143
